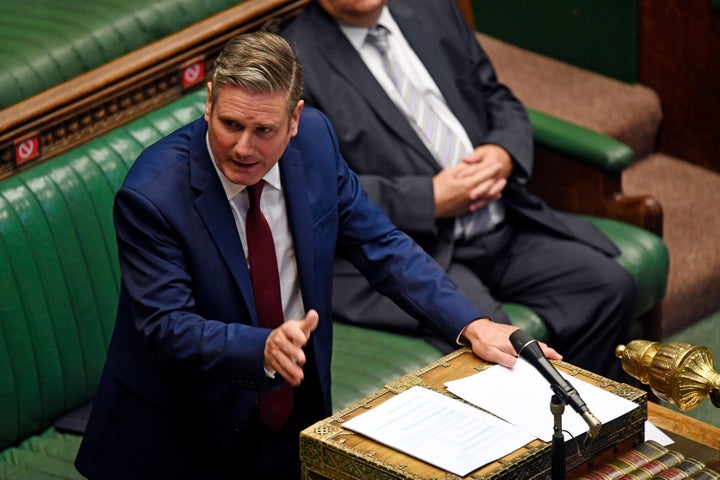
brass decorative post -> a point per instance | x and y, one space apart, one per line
677 372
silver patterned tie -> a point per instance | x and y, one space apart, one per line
447 146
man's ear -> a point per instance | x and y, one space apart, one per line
295 120
208 102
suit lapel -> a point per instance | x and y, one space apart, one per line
422 39
346 62
301 221
214 210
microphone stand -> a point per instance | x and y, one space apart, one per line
557 407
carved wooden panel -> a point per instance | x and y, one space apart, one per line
679 49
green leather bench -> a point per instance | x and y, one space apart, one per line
59 283
44 43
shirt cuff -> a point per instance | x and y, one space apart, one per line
461 340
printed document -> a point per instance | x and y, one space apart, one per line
521 396
439 430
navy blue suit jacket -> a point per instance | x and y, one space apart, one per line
186 357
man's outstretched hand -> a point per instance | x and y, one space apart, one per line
491 342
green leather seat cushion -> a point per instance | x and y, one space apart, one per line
45 42
365 360
49 455
644 254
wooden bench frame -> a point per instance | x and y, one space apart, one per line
120 91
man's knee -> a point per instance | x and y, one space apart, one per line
625 287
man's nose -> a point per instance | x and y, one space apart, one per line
244 144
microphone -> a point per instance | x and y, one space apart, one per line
529 349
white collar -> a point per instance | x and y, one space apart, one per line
272 177
357 35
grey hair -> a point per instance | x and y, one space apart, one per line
259 62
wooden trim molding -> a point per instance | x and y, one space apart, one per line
467 10
684 425
120 91
594 192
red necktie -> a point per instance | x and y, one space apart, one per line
275 405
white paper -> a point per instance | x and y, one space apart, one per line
521 396
654 433
439 430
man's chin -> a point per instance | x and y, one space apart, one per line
244 174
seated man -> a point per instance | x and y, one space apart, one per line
447 151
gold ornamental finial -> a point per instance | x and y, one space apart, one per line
676 372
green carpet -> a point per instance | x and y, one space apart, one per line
705 332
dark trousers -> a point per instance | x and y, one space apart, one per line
586 299
267 454
261 452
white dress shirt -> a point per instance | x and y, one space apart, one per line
272 205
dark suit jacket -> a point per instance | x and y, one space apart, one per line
379 144
394 166
186 357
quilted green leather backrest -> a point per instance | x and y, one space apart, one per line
45 42
59 276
